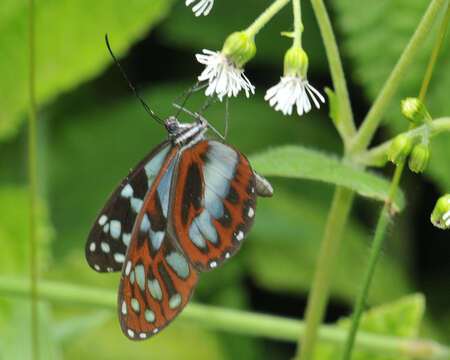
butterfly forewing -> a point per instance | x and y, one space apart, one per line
157 280
213 203
110 235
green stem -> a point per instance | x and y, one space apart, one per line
345 123
235 321
383 221
377 156
265 17
374 116
298 24
380 233
318 296
434 55
32 183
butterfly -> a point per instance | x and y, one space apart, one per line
185 208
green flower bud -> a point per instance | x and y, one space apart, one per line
239 48
440 217
296 62
414 110
418 160
400 149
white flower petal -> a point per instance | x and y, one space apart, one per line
292 91
224 79
203 7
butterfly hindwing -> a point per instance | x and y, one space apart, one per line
110 235
213 203
157 280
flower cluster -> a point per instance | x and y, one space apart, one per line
224 73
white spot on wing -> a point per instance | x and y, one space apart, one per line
105 247
128 268
145 224
92 247
142 335
127 191
240 235
213 264
126 239
97 267
155 330
119 258
227 255
103 219
130 333
136 204
106 228
115 228
251 212
124 308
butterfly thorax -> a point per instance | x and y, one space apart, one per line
185 134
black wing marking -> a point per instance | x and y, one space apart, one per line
107 243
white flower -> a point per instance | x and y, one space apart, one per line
203 7
290 91
224 78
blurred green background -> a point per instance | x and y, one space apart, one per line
92 130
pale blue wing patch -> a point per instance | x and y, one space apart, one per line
154 165
164 187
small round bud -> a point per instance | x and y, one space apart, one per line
418 160
440 217
239 48
400 149
414 110
296 62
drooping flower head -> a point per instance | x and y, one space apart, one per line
294 88
203 7
440 217
224 69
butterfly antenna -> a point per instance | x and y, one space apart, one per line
198 116
187 93
146 107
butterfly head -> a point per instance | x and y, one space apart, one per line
185 133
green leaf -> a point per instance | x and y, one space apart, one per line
286 237
14 232
70 46
301 163
375 33
401 318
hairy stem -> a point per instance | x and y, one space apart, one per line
380 233
386 212
345 123
318 296
265 17
234 321
376 112
434 55
298 24
377 156
32 182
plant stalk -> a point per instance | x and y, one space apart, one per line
377 156
346 125
318 296
372 120
380 233
386 212
298 24
234 321
265 17
32 183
